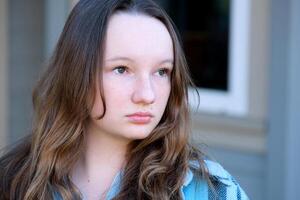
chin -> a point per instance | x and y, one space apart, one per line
138 135
137 132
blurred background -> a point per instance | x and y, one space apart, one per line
243 56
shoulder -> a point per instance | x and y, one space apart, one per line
223 185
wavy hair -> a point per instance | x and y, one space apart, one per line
40 165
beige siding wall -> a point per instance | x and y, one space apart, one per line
3 72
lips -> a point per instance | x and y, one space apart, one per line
140 117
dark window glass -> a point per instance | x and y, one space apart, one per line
204 29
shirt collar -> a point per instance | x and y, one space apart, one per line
215 170
188 178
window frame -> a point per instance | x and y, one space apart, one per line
235 101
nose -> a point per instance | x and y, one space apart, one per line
144 92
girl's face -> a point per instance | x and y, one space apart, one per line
137 64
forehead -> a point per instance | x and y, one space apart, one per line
137 36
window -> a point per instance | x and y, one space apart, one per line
215 39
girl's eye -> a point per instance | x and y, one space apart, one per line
163 72
120 70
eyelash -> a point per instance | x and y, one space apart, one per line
120 67
166 71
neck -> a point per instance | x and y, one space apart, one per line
103 152
103 156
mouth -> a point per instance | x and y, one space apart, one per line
140 117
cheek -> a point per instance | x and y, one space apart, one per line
163 92
117 99
162 97
116 94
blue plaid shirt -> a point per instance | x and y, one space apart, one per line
194 188
225 186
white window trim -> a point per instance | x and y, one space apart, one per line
235 101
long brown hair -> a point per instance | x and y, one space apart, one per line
40 165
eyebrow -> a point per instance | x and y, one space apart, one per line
129 59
